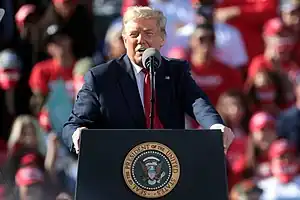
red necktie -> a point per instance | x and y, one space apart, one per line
147 104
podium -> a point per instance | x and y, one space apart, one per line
151 164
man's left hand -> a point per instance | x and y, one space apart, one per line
228 135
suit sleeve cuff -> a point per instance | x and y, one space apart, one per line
218 126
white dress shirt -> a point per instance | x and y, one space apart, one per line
139 75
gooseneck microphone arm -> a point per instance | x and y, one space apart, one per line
152 98
151 60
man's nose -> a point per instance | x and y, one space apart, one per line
141 38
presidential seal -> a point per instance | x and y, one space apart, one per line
151 170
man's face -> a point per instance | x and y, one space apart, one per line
65 8
202 42
264 137
60 45
292 19
139 35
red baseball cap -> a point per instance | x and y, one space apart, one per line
24 12
62 1
280 147
29 159
261 120
128 3
273 27
28 175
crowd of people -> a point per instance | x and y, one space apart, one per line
245 55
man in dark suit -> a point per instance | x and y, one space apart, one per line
115 95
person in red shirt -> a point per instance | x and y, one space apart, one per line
262 134
290 15
60 66
267 92
234 110
210 74
279 43
249 17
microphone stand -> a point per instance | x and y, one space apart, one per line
152 98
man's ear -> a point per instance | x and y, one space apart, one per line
124 40
162 42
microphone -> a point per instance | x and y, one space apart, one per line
151 60
2 13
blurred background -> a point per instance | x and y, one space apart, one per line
245 54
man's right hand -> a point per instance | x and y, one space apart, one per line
76 138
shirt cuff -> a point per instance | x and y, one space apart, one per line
218 126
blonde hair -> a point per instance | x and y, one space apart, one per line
16 133
145 12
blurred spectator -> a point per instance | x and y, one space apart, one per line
26 14
248 16
178 13
265 92
285 182
14 163
25 160
288 122
10 73
54 73
232 106
114 45
76 21
28 176
279 43
80 68
290 15
104 12
246 190
229 45
26 19
26 133
262 134
32 181
10 69
211 75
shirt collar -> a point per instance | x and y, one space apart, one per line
137 69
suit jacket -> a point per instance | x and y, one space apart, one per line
109 99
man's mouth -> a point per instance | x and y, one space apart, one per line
141 50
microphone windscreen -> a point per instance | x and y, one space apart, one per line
2 13
151 53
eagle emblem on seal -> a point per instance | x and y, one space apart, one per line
152 168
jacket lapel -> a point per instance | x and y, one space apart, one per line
163 92
128 85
